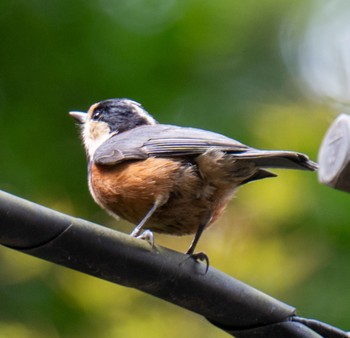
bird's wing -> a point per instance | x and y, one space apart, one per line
162 141
172 141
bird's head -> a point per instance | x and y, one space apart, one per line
107 118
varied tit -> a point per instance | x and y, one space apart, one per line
166 178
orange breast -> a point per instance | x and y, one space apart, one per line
130 189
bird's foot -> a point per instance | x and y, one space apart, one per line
147 235
201 256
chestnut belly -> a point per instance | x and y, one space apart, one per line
130 189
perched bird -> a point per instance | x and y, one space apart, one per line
166 178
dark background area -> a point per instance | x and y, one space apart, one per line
213 65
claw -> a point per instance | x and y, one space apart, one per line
148 236
201 256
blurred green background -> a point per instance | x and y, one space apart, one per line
219 65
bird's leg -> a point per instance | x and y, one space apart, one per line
147 235
200 255
138 228
196 238
202 225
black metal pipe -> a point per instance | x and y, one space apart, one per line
108 254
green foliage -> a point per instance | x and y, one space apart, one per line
209 64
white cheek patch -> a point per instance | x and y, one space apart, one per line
94 134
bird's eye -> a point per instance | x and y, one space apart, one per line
96 115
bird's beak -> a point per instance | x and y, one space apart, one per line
80 117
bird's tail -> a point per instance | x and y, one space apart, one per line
279 159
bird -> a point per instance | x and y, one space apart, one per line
165 178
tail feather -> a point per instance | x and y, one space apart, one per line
260 174
279 159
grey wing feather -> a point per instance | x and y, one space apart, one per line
162 141
172 141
